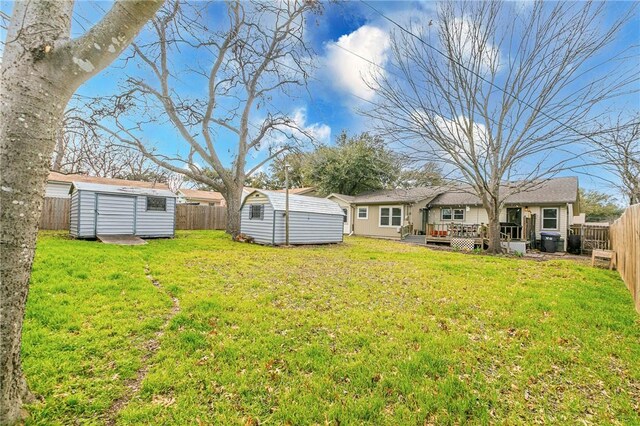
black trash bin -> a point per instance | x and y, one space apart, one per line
574 244
549 241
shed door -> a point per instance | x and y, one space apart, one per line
115 215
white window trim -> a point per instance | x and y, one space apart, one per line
453 219
366 209
390 225
542 209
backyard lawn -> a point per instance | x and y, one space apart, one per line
366 332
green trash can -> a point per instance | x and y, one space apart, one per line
549 241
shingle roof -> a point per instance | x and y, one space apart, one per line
299 191
300 203
202 195
388 196
119 189
70 178
552 191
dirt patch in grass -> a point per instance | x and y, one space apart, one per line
150 348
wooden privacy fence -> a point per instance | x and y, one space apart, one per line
200 217
55 213
625 241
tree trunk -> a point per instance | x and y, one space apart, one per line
41 69
30 117
493 227
233 197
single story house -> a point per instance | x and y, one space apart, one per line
439 213
202 198
312 220
382 213
99 209
59 184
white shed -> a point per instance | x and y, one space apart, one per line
98 209
312 220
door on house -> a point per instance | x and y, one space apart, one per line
514 216
346 221
115 215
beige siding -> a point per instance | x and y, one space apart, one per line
347 226
370 227
478 215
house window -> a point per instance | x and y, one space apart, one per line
390 216
550 218
256 211
157 204
448 213
363 212
344 211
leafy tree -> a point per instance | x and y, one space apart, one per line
261 180
598 206
355 165
428 175
298 170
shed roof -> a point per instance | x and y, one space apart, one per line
300 203
70 178
552 191
119 189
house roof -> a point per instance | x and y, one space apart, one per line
70 178
390 196
202 195
120 189
299 203
345 198
552 191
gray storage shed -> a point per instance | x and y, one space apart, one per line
311 220
99 209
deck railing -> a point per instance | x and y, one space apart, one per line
470 230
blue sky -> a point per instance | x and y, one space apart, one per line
331 102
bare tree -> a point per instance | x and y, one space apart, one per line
41 68
80 149
493 90
259 51
619 148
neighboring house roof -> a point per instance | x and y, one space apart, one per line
299 203
122 190
299 191
210 196
552 191
70 178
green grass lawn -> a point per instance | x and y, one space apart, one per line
366 332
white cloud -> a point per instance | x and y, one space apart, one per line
347 71
320 132
301 130
466 39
